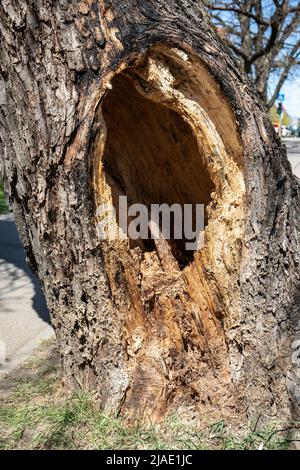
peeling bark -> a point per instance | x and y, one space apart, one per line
101 98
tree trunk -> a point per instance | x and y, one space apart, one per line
141 98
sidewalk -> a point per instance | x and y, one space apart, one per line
293 151
24 319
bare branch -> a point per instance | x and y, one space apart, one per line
259 20
290 60
263 37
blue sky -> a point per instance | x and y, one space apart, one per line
291 89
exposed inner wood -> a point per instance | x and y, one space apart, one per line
151 156
163 138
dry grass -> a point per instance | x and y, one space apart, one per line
3 205
37 413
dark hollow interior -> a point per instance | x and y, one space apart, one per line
152 157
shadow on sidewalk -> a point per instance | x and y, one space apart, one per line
11 251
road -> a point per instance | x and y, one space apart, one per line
24 319
293 150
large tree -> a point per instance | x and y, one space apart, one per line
265 37
141 98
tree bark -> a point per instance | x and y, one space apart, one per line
141 98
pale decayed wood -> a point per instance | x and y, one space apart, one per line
175 316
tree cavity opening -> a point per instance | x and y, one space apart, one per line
152 156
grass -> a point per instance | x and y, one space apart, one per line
3 205
37 413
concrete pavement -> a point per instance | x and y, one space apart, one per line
24 319
293 150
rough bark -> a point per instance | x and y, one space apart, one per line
149 330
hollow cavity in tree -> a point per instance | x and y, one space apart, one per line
168 134
164 132
152 157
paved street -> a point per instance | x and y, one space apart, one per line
24 319
293 150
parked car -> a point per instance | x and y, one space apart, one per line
285 132
295 131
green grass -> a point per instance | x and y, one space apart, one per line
36 412
3 205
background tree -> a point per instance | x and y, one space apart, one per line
141 98
286 119
265 37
